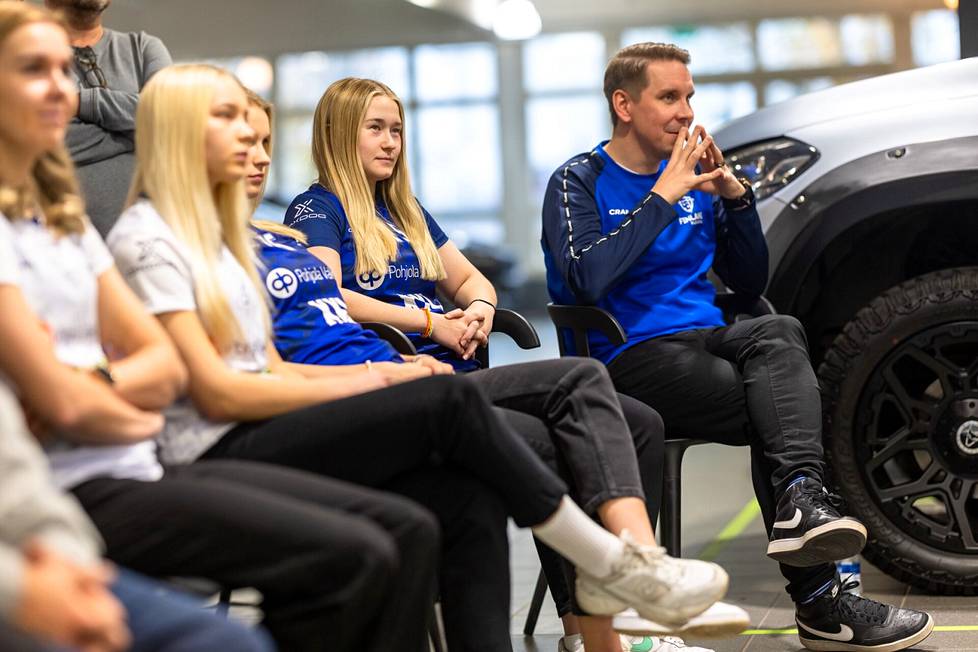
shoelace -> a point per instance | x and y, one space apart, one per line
667 569
820 495
858 608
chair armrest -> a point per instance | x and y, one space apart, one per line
579 320
392 336
512 323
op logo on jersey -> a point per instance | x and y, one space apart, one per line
370 280
281 283
686 203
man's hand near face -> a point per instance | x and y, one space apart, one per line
680 176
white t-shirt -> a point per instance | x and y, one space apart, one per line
158 267
58 277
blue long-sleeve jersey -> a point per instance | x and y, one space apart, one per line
609 241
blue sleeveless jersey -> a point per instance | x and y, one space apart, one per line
319 214
310 319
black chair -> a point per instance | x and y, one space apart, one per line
507 322
574 322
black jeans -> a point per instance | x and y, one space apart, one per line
576 401
749 383
444 422
338 566
603 444
647 445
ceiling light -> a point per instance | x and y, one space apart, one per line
516 20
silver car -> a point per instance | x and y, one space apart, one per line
868 194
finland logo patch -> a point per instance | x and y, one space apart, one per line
686 203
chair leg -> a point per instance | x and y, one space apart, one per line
223 603
436 630
539 592
672 497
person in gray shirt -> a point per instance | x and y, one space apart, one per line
111 68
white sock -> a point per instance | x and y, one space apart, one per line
586 544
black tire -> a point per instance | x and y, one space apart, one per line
900 408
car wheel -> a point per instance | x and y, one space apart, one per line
900 407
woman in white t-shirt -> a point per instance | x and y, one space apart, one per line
184 245
339 566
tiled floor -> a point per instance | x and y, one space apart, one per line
716 487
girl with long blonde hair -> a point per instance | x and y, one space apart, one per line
93 371
436 439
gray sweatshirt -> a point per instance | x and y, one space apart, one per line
100 139
31 507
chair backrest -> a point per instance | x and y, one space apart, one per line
576 321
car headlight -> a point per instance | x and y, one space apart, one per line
772 164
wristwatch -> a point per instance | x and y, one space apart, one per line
746 200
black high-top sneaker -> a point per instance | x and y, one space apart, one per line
840 621
809 529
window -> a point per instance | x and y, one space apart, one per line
793 43
452 72
293 155
565 110
715 104
457 143
780 90
560 127
715 49
935 37
458 149
563 62
304 77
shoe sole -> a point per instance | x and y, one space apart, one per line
671 618
902 644
827 543
719 628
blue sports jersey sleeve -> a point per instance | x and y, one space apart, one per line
591 261
436 233
741 259
319 216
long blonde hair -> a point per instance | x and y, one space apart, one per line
52 185
335 131
171 169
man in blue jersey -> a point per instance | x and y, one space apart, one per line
633 227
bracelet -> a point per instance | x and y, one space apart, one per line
429 325
488 303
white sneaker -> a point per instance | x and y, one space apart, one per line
661 588
574 643
719 621
670 644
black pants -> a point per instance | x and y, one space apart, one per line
576 401
646 439
339 567
435 423
749 383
